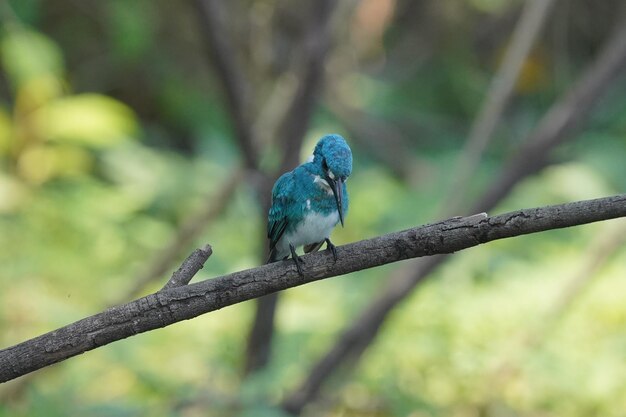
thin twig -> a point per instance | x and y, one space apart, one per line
189 268
185 302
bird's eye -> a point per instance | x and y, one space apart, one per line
324 165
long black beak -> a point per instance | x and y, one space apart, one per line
337 186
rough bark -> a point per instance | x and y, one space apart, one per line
187 301
189 268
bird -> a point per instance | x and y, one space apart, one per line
309 201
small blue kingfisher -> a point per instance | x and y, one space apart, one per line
308 202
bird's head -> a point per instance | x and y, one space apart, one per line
333 157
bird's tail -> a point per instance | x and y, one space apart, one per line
273 256
313 247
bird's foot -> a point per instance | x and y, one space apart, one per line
296 259
332 248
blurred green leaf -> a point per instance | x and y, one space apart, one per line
89 119
28 55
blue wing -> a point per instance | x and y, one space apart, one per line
282 199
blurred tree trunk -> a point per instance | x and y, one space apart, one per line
311 50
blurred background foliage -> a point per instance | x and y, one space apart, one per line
114 131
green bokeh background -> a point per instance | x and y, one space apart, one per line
114 130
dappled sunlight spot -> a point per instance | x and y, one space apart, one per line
89 119
108 246
35 93
104 204
32 306
36 164
312 308
227 320
158 357
576 181
358 396
606 378
491 316
6 132
563 374
72 161
19 312
151 233
599 311
359 91
111 384
139 173
13 194
604 303
557 183
413 353
40 163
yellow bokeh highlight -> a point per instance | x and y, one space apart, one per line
35 93
6 132
89 119
40 163
12 194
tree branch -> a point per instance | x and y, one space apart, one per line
185 302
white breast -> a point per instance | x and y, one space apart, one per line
315 228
